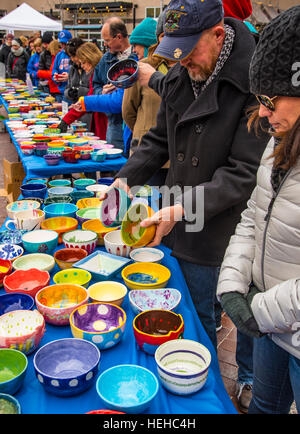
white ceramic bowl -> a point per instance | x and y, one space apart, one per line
97 189
82 239
161 298
113 244
147 254
182 365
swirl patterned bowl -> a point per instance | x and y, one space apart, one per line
16 301
163 298
57 302
67 367
100 323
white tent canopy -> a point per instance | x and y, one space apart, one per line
27 18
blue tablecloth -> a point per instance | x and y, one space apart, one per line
212 399
37 167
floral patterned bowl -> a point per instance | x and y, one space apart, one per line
164 298
10 251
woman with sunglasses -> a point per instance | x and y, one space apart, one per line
259 282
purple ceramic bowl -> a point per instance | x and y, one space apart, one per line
52 159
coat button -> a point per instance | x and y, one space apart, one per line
199 128
195 161
180 156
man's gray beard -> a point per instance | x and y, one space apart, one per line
198 76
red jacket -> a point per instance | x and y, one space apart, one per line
98 122
47 75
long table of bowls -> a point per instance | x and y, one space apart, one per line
62 369
45 151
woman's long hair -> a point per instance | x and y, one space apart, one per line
287 152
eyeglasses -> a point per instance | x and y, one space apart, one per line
107 41
266 101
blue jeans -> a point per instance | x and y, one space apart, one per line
276 379
244 358
202 283
114 135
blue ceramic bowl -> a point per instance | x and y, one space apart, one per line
13 401
123 74
10 251
146 299
81 194
11 236
13 367
37 181
128 388
40 241
82 183
59 183
34 190
105 181
67 367
98 156
60 210
114 207
59 191
16 301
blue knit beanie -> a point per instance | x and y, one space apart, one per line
144 34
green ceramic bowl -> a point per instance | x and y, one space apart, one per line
41 261
13 366
72 275
58 199
59 183
82 183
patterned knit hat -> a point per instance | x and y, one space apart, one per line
276 60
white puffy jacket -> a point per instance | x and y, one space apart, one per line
265 249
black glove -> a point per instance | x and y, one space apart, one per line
73 93
238 309
63 126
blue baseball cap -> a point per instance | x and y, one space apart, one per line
64 36
185 20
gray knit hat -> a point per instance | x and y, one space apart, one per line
276 60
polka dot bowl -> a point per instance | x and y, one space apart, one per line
67 367
100 323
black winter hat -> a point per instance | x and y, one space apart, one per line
273 69
47 37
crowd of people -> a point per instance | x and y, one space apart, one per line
215 112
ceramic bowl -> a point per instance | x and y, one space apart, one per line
71 157
97 226
22 329
34 190
56 302
16 301
114 244
100 323
40 241
98 156
90 213
153 327
37 181
97 188
128 388
13 367
29 220
27 149
65 258
21 205
108 292
60 210
52 159
41 261
76 195
59 183
10 251
11 237
9 404
60 225
59 191
26 281
114 207
89 202
57 199
113 153
72 275
102 265
163 298
81 239
67 367
147 254
182 365
5 269
132 233
123 74
146 275
105 181
82 183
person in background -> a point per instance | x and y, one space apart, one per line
60 71
89 56
45 61
17 60
240 9
33 64
115 37
24 40
46 74
30 47
5 50
259 278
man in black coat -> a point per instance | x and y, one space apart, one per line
202 129
45 60
5 50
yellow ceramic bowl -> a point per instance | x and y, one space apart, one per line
97 226
89 202
108 292
132 233
60 225
134 273
73 275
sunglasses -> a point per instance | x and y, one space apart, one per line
266 101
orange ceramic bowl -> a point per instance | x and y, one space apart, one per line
89 202
97 226
60 225
132 233
65 258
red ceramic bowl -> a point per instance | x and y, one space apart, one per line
5 269
71 156
26 281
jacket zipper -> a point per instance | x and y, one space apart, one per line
267 219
